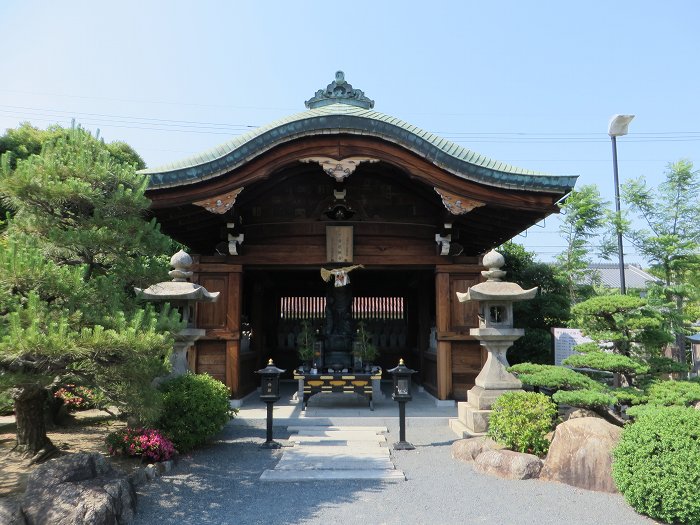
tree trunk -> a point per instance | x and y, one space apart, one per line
32 441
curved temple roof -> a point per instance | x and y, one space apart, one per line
342 110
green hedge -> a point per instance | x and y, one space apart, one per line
656 464
520 421
195 407
670 392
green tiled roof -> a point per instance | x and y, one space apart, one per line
342 118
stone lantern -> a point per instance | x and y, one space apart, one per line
496 334
182 295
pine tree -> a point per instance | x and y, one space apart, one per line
77 244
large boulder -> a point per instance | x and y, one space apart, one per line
468 449
11 512
576 412
508 464
79 489
581 454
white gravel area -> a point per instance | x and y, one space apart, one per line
220 484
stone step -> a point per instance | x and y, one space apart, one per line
298 428
356 435
332 475
323 453
330 463
360 450
337 438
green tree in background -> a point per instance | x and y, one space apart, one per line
583 215
549 309
670 240
77 244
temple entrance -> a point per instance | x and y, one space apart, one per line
395 306
336 186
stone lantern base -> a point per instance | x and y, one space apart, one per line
474 414
492 382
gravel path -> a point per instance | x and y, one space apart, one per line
220 485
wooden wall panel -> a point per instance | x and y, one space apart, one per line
213 315
211 359
467 360
218 352
463 315
429 373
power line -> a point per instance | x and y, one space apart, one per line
221 128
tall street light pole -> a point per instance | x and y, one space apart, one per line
617 128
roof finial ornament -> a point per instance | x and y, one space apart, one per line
339 92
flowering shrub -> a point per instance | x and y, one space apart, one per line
78 397
147 443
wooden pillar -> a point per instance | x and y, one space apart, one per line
442 322
233 321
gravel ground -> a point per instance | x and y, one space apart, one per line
220 485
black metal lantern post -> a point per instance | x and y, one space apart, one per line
402 394
270 392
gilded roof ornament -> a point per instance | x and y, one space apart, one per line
339 92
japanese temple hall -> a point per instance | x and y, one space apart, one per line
396 216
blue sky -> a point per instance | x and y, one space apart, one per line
530 83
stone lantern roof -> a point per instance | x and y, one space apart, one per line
494 289
179 289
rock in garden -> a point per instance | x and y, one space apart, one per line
581 454
11 512
468 449
508 464
575 413
79 489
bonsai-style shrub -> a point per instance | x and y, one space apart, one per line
584 398
147 443
521 420
656 464
553 377
195 407
610 362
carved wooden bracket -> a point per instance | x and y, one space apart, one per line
220 204
339 169
457 205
